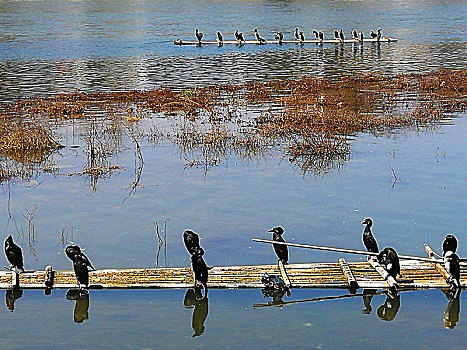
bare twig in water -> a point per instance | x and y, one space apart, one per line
396 179
31 230
139 164
162 241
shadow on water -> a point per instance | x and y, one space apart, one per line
200 305
451 314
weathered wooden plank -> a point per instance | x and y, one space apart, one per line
284 275
383 273
348 274
438 266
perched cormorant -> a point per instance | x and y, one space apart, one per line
198 35
302 37
279 36
341 35
296 34
72 251
200 269
449 243
258 38
368 240
321 36
451 263
220 39
81 271
240 37
281 250
390 260
378 34
360 36
316 34
354 34
191 240
14 254
336 35
373 34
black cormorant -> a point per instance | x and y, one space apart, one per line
368 240
354 34
72 251
81 271
316 34
220 39
258 38
451 263
449 243
360 36
336 35
191 240
302 37
279 37
200 269
14 254
321 36
373 34
198 35
281 250
390 260
341 35
296 34
378 34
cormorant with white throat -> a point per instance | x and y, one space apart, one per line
390 260
451 263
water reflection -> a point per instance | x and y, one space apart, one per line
11 295
388 310
200 305
367 296
81 309
451 314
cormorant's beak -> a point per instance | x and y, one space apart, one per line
364 222
271 230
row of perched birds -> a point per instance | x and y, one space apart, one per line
387 257
298 35
80 261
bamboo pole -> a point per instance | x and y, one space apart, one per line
284 274
353 284
440 268
346 250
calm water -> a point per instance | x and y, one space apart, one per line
48 47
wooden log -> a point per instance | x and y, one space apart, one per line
440 268
383 273
348 274
284 275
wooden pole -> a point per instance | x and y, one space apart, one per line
440 268
383 273
353 284
346 250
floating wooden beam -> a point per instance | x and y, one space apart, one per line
284 275
180 42
312 275
348 274
440 268
383 273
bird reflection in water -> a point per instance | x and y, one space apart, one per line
388 310
451 314
80 312
194 300
367 296
274 287
11 295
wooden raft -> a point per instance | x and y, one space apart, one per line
339 275
180 42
